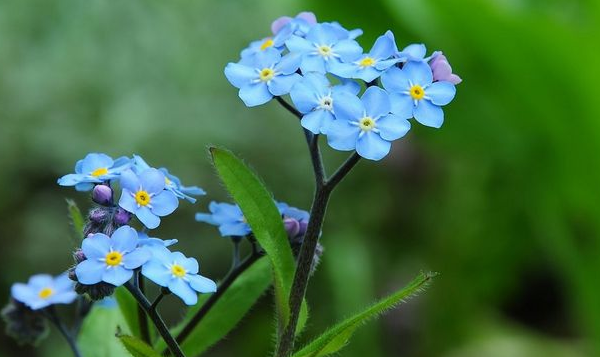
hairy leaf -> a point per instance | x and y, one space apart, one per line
77 221
137 347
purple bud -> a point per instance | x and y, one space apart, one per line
102 195
303 226
280 23
441 69
98 215
122 217
78 256
292 227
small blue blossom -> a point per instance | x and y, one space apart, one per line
93 169
323 45
369 66
111 259
414 52
43 290
228 217
365 124
414 94
175 271
270 75
314 96
145 196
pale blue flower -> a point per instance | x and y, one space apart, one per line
111 259
93 169
365 124
179 274
270 75
43 290
414 94
145 196
228 217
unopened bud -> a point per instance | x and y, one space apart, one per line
122 217
102 195
78 256
292 227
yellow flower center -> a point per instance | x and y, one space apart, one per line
416 92
167 181
45 293
142 198
366 62
367 123
268 43
324 50
99 172
178 270
113 258
266 74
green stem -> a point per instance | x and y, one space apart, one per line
53 317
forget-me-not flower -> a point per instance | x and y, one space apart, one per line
175 271
145 196
270 75
228 217
314 96
43 290
111 259
93 169
369 66
365 124
323 45
414 94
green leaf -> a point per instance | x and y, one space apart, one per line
338 336
262 215
77 221
129 309
97 337
137 347
227 312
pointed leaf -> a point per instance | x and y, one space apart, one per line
338 336
77 221
137 347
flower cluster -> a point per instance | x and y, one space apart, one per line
324 69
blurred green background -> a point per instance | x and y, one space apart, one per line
503 201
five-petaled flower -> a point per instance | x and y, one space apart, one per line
414 94
111 259
93 169
146 197
175 271
43 290
365 124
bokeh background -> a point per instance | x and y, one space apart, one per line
503 201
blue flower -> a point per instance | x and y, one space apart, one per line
324 44
365 124
94 168
154 244
414 52
414 94
270 75
249 53
43 290
314 96
228 217
180 274
111 259
369 66
146 197
172 182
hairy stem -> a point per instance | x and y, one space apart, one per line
53 317
162 328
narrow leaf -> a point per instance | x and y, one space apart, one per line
76 219
262 215
97 337
137 347
338 336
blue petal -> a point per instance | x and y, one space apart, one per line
282 84
371 146
184 291
429 114
139 164
298 44
124 239
415 52
71 179
22 293
392 127
95 161
346 85
418 72
206 218
383 48
348 107
344 70
303 95
348 50
96 246
148 218
156 271
234 229
202 284
127 201
90 272
78 166
322 34
255 94
313 63
164 203
82 187
289 63
225 212
376 102
189 264
239 75
385 64
267 58
40 281
317 121
130 181
136 259
117 275
63 282
367 74
152 180
402 105
342 135
395 80
440 93
63 297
